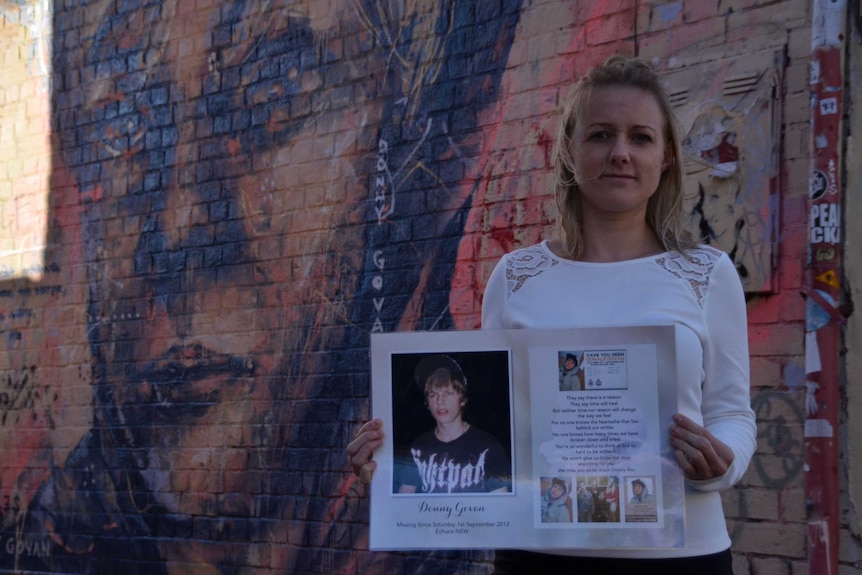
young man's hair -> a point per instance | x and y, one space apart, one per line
438 371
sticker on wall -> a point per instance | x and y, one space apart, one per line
830 278
825 224
816 315
817 185
826 29
812 354
828 106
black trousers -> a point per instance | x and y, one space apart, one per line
511 562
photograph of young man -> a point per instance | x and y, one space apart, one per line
454 456
571 374
640 493
557 503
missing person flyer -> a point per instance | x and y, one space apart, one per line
526 438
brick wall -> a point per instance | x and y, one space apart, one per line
240 193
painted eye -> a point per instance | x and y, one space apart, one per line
131 121
279 90
123 135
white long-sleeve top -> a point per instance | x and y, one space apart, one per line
533 288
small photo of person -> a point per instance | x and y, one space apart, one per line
439 447
571 370
556 501
640 493
586 502
611 499
598 498
640 500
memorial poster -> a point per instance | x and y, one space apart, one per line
526 439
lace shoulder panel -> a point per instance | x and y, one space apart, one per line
694 268
524 264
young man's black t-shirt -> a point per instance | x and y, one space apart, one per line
473 463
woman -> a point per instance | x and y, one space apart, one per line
612 498
622 248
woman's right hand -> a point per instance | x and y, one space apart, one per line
361 449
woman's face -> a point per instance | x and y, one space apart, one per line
556 491
619 152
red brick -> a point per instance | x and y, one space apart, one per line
775 340
695 10
608 29
792 305
763 309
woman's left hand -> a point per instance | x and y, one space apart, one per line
699 453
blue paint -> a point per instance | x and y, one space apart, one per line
669 12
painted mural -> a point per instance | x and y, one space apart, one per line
242 192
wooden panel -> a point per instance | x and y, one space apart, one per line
728 112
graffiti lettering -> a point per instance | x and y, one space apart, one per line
19 392
21 312
825 224
26 547
382 210
824 254
49 290
833 179
380 206
378 259
377 284
34 269
17 314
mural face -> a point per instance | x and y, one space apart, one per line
219 175
222 157
232 224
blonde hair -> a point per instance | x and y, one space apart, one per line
664 209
